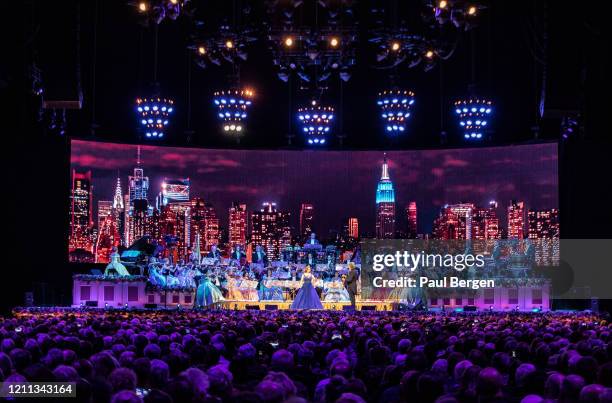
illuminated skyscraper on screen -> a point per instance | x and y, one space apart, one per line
543 230
411 215
271 230
516 220
211 229
138 183
237 224
353 227
454 222
81 218
385 204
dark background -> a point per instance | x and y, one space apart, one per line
45 33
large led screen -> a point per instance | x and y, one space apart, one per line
179 197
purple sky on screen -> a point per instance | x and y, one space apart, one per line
340 184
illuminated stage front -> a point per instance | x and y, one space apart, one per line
134 292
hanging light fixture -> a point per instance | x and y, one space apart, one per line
395 106
155 11
154 114
232 107
315 121
474 116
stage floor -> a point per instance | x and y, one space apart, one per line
334 306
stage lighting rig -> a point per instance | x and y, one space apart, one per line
395 106
395 47
313 56
155 11
232 109
228 45
318 46
474 116
154 115
461 14
315 122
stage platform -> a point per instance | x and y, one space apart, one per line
333 306
134 292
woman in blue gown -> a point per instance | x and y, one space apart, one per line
207 293
307 297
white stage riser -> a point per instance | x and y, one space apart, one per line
117 294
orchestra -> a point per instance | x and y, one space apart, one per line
258 280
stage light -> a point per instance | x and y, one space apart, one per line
395 106
154 114
442 4
229 44
395 46
142 6
288 41
429 54
175 2
334 42
232 108
472 10
473 115
315 121
202 50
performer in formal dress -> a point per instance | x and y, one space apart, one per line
115 267
207 293
238 254
272 293
259 256
335 291
351 283
155 277
214 252
307 297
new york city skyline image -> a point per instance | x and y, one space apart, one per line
321 190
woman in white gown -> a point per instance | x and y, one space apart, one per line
335 290
115 267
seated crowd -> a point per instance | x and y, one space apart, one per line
320 356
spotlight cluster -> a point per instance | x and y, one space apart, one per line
227 45
462 14
315 121
154 114
157 10
232 107
395 106
313 56
473 114
395 47
314 40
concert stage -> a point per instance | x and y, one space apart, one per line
134 292
333 306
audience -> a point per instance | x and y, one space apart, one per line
319 356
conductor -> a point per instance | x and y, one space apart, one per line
351 283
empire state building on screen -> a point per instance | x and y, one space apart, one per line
385 205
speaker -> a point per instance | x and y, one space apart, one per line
253 307
271 307
150 306
469 308
368 307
